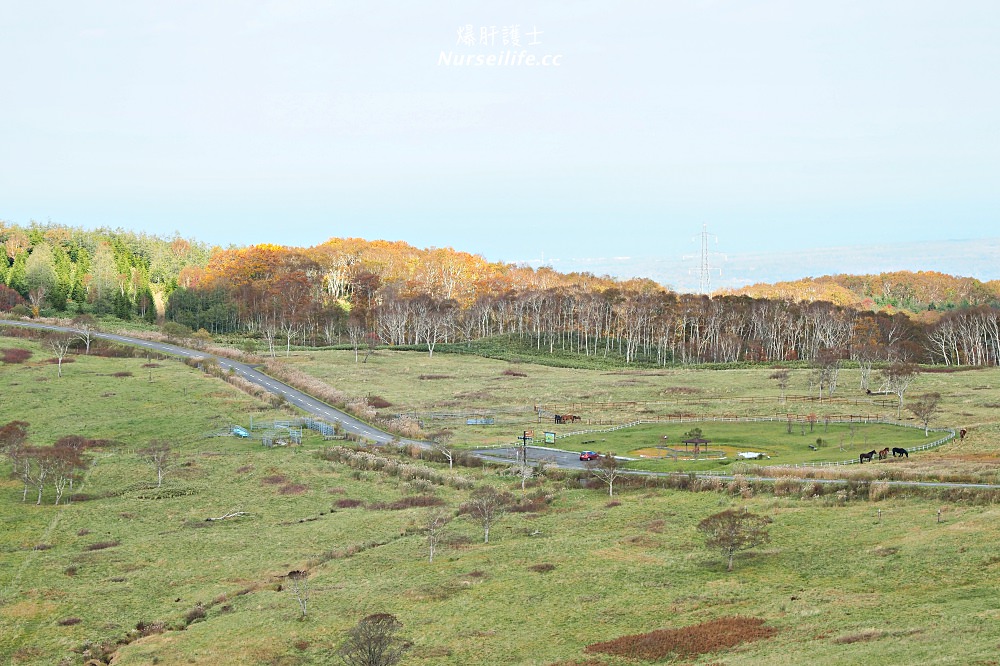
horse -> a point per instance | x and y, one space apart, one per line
962 433
900 452
867 456
883 454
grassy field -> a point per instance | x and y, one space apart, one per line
845 579
839 442
447 388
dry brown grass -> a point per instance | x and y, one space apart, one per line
711 636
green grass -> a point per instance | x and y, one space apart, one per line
842 586
453 386
726 439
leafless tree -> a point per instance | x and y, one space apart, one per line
36 297
924 407
299 587
434 526
441 440
486 506
158 455
85 330
374 641
897 378
607 468
60 344
732 531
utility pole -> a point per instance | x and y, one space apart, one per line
525 440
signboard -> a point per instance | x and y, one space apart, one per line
529 434
550 438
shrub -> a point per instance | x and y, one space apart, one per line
14 355
101 545
195 614
69 621
124 373
347 503
378 402
274 479
293 489
514 373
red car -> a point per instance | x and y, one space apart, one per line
589 455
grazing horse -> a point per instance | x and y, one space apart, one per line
900 452
867 456
883 454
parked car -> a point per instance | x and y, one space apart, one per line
589 455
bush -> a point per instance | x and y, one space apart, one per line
14 355
347 503
101 545
378 402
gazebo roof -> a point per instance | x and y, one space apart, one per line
696 440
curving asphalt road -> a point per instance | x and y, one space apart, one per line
303 401
310 405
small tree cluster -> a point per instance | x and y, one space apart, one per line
58 465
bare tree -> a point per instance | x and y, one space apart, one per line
525 472
607 468
374 642
60 344
14 444
924 407
486 506
36 297
158 455
732 531
85 330
897 378
440 440
434 527
64 462
299 587
356 333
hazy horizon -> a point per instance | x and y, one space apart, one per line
598 130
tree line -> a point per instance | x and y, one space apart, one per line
350 290
110 271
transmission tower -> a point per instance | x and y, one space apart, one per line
705 268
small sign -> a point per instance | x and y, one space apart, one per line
529 434
550 438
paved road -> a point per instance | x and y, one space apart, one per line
303 401
310 405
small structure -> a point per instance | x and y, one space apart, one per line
697 441
239 431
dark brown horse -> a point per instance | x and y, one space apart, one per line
867 457
883 454
900 452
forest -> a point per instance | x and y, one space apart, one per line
364 293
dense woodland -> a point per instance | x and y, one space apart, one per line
378 292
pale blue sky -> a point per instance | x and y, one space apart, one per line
780 124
